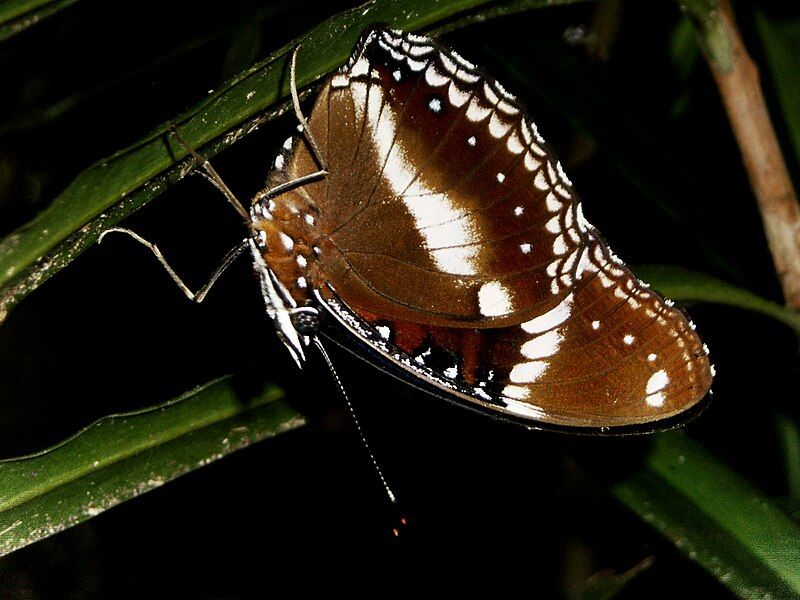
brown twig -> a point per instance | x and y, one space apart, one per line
736 76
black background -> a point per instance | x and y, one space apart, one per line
491 507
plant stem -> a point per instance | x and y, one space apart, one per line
736 76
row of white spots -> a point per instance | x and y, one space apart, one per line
545 341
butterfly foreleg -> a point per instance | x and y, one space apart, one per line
211 174
198 296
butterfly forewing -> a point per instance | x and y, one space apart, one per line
448 238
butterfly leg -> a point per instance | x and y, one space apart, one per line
198 296
211 174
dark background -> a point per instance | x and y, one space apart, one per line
491 507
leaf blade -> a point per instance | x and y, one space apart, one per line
18 15
716 518
122 456
693 286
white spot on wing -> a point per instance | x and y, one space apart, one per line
340 81
447 64
553 204
288 243
559 246
543 345
516 391
658 381
552 318
360 68
490 94
456 96
528 372
563 175
435 78
497 127
494 299
553 225
507 108
531 163
514 144
462 61
476 112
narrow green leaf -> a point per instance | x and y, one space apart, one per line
683 47
693 286
18 15
716 518
789 438
122 456
713 36
781 42
113 188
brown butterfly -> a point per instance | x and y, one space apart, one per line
421 219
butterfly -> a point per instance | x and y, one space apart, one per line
420 220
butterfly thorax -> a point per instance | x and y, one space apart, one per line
285 237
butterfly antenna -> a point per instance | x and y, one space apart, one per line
367 447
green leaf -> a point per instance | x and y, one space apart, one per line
18 15
781 42
716 518
692 286
122 456
683 48
789 438
113 188
712 33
